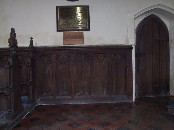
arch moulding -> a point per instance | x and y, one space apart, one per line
166 14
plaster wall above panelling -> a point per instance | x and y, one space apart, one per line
112 22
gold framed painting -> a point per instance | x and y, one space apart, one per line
73 18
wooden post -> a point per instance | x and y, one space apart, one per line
31 71
15 74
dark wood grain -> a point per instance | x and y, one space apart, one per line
83 72
152 58
89 73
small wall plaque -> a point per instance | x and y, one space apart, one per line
73 18
73 38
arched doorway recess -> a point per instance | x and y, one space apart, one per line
152 58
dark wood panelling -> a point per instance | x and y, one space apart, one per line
72 74
91 72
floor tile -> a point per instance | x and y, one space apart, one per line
143 114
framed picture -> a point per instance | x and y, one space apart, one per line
73 18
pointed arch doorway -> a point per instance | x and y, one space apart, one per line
152 58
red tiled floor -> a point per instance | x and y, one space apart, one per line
144 114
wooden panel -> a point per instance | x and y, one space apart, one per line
4 88
148 56
80 75
4 103
4 80
99 75
86 73
4 71
44 75
140 68
90 74
119 75
63 76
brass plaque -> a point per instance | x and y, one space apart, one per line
73 18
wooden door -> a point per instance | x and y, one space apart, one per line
152 58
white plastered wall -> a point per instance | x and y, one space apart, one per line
110 20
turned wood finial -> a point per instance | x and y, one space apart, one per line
31 47
12 40
31 42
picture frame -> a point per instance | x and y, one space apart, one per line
73 18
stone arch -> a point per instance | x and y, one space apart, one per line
166 14
152 58
149 17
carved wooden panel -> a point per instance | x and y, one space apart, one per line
63 75
83 72
44 74
24 68
118 74
99 75
80 75
90 74
72 75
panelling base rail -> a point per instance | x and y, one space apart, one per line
90 100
